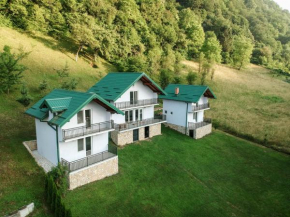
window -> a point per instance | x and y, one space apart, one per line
80 117
126 116
165 111
131 115
133 97
80 144
141 115
195 116
171 113
136 115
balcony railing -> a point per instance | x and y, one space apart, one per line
200 107
135 124
194 126
130 104
89 160
84 130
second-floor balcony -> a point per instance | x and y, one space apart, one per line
140 123
136 103
200 107
87 130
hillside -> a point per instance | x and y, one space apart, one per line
252 102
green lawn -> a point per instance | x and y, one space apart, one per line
173 175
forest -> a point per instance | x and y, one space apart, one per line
155 35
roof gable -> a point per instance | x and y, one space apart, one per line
61 97
113 85
187 93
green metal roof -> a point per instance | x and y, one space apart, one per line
113 85
187 93
56 105
61 97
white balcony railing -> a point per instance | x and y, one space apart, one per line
135 103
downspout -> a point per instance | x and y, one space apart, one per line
57 144
186 118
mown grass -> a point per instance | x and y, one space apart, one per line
251 103
21 180
173 175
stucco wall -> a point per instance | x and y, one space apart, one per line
46 141
69 150
93 173
179 110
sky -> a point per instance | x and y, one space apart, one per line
285 4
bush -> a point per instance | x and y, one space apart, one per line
43 85
25 99
191 77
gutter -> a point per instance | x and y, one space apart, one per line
57 143
186 118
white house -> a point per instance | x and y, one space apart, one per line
135 94
73 128
184 107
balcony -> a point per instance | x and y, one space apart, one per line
194 126
131 104
136 124
90 160
84 130
200 107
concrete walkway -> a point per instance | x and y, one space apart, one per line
41 161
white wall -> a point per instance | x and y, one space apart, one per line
179 110
199 117
69 150
46 141
98 114
144 92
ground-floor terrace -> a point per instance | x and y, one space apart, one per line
133 131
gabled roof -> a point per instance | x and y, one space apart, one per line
113 85
187 93
73 101
56 105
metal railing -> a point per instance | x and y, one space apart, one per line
84 130
135 124
193 126
200 107
130 104
89 160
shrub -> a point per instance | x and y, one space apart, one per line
25 99
191 77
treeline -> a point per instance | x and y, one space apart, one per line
151 35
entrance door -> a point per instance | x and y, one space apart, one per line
88 146
88 118
146 132
191 133
136 135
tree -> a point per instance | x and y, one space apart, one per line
164 77
10 68
191 77
25 99
212 48
242 51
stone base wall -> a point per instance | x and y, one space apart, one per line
180 129
123 138
155 130
93 173
32 145
203 131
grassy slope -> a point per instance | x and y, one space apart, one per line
21 179
251 102
219 175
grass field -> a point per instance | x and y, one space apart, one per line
254 103
219 175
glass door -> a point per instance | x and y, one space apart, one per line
88 146
88 118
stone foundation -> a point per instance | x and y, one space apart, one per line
32 145
124 138
180 129
203 131
93 173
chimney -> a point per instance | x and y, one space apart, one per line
176 91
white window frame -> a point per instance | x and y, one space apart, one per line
83 118
83 144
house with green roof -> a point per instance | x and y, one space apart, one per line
184 107
73 128
135 94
